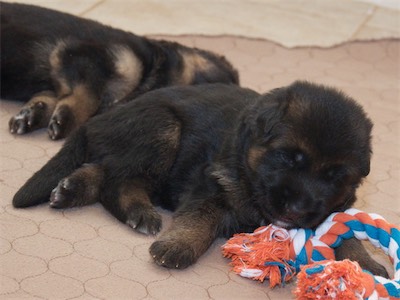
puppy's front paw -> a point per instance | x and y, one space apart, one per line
375 268
63 196
173 253
28 119
144 219
61 123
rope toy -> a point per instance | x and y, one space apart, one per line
274 253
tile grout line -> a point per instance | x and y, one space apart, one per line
370 13
91 8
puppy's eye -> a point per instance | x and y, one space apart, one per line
299 157
293 159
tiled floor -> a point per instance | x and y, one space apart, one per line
86 254
286 22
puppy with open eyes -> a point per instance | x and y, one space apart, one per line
224 158
68 69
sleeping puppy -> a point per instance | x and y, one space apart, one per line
224 158
68 69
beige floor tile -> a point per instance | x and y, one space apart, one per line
64 229
19 267
13 228
75 7
171 288
102 250
236 291
57 286
114 287
139 271
384 23
8 285
78 267
392 4
42 246
291 23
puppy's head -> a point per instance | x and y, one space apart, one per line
305 150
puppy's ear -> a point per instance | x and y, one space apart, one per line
365 168
254 155
366 163
260 124
366 149
261 119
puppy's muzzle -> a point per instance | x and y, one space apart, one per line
295 205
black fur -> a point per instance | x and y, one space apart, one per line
226 159
88 67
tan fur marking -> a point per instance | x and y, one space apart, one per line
54 58
82 103
172 135
192 63
298 106
128 65
129 69
55 63
91 176
46 97
254 155
133 192
223 178
195 229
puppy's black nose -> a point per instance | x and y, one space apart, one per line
297 203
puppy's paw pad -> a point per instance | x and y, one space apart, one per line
61 123
28 119
55 129
172 254
18 124
63 195
144 220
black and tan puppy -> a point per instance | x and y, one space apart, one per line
68 69
224 158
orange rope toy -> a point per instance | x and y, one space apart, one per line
274 253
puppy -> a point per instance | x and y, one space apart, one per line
68 69
226 159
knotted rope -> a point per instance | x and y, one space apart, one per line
277 254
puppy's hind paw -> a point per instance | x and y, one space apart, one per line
28 119
144 219
61 123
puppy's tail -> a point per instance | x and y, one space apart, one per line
38 188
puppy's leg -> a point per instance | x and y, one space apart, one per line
80 188
80 72
139 212
354 250
71 157
72 111
131 205
133 174
34 114
193 230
